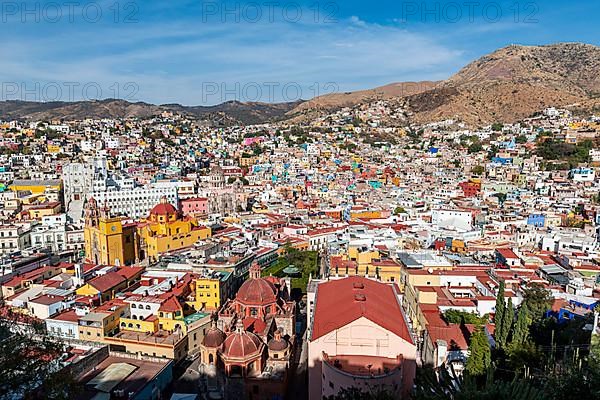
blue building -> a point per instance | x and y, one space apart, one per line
503 160
537 220
575 308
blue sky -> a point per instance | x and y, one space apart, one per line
205 52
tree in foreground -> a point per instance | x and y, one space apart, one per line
537 300
505 325
443 385
521 330
499 311
29 366
480 354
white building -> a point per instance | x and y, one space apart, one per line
135 203
64 325
14 238
457 219
582 174
51 233
46 305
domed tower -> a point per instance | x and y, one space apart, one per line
279 349
91 212
163 212
216 177
243 352
211 344
257 297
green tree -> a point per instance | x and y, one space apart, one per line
521 139
475 147
478 170
463 317
506 324
499 311
28 362
537 300
480 355
399 210
497 127
522 324
441 385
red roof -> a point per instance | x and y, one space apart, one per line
256 292
241 345
170 305
163 209
67 315
340 302
129 272
47 300
107 281
507 254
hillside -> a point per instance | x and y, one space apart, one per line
348 99
513 83
507 85
228 113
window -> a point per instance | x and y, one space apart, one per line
133 306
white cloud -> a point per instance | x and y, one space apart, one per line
174 62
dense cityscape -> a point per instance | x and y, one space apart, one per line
157 257
299 200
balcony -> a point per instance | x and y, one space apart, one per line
371 367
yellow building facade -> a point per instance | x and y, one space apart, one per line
208 294
36 186
166 230
107 240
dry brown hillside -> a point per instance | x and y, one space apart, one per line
348 99
513 83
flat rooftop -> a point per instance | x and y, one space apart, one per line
160 337
133 378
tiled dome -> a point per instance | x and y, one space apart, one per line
257 291
241 344
214 337
278 343
163 209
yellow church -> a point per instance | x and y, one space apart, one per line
166 230
107 240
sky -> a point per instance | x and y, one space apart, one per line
204 52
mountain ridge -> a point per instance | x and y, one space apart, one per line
508 84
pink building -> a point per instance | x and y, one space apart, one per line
359 337
197 205
253 140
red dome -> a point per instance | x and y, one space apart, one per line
241 345
257 292
163 209
278 344
213 338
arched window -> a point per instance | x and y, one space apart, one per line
133 306
137 326
147 307
211 359
130 325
